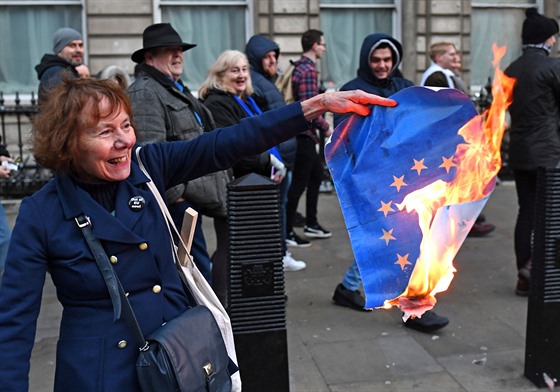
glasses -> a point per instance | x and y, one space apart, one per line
323 44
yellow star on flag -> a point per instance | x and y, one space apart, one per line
385 208
447 163
398 183
419 166
387 236
402 261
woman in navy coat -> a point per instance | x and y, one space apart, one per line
84 134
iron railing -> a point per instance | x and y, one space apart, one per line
29 177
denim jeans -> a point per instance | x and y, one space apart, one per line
352 278
4 237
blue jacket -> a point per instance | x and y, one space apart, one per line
46 238
265 92
366 80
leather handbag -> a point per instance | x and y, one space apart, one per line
186 354
183 355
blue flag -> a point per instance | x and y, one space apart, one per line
376 161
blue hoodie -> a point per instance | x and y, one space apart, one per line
367 81
265 92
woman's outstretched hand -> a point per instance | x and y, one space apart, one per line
356 101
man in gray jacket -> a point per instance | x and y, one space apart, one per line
165 110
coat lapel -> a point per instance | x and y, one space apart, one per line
105 226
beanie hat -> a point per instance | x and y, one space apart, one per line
537 28
63 37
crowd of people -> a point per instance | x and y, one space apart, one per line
87 143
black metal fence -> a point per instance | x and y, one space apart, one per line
14 121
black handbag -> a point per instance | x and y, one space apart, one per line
186 354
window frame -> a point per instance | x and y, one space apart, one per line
497 5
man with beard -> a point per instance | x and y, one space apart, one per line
263 55
68 49
378 73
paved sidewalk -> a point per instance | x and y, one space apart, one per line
332 348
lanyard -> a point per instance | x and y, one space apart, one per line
256 110
182 89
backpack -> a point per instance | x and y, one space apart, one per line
284 83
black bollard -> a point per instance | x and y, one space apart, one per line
542 350
257 303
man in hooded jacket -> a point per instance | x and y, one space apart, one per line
380 57
263 54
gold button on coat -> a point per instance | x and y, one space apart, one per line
143 246
156 289
122 344
113 259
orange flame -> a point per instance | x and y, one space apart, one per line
477 163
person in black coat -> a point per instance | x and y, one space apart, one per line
535 128
68 55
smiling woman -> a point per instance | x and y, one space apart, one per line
84 134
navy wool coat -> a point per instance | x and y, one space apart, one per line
93 352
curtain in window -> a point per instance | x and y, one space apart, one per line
495 21
345 30
25 35
212 29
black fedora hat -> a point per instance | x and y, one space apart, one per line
158 35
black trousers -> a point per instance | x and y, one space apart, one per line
307 173
525 184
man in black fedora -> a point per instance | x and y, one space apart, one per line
165 110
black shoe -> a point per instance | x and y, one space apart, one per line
348 298
429 322
292 239
481 229
316 231
522 288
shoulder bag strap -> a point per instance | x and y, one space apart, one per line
164 211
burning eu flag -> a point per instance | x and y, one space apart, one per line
405 177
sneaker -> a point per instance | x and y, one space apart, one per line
292 239
348 298
429 322
326 187
299 220
291 264
316 231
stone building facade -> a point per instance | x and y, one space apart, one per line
114 27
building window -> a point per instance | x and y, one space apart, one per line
213 25
26 30
500 22
346 23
